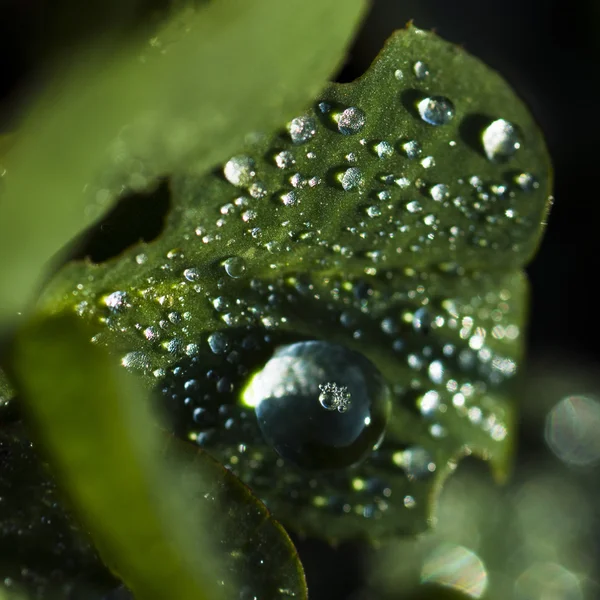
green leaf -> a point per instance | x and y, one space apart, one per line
43 553
192 94
363 226
153 520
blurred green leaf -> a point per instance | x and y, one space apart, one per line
152 522
194 91
365 226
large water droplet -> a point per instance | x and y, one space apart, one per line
500 140
302 129
298 395
239 170
436 110
352 120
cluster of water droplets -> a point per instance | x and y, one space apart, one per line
264 387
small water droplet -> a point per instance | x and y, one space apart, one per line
285 159
500 140
235 266
436 110
239 170
421 320
413 206
290 198
192 274
384 149
527 182
374 211
351 179
258 189
439 192
302 129
218 342
352 120
411 149
420 69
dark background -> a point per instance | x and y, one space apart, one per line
549 50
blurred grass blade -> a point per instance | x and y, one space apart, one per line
208 78
105 446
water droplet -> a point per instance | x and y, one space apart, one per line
527 182
384 149
287 394
239 170
421 70
352 120
439 192
258 189
351 178
192 274
285 159
411 149
218 342
500 140
302 129
374 211
436 110
421 320
289 198
235 266
398 74
413 206
116 301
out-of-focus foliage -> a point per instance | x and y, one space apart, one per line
187 94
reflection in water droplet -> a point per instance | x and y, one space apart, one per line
334 397
573 430
235 266
456 567
436 110
239 170
500 140
287 393
352 120
302 129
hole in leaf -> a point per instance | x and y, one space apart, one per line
138 217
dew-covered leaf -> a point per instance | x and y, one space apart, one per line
120 117
169 521
355 275
43 554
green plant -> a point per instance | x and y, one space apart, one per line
389 221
